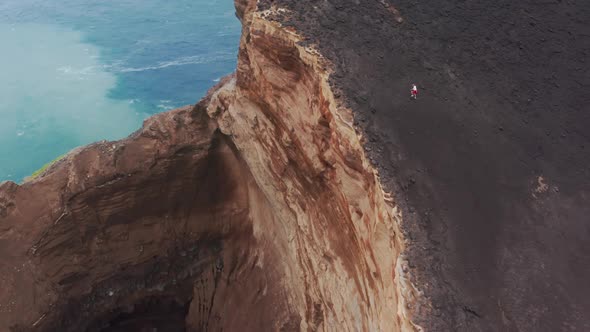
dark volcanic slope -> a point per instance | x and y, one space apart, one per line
492 159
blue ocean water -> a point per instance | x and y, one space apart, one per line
77 71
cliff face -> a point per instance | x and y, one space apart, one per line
122 232
303 151
490 165
257 209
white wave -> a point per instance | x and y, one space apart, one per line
190 60
166 107
20 133
119 66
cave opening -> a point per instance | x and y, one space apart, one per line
153 314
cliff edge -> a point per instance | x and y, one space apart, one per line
256 209
490 164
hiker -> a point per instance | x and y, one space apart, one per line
414 91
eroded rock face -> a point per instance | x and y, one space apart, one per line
121 233
303 151
254 210
490 164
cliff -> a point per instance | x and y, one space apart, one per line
490 165
307 192
257 209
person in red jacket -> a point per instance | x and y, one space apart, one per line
414 91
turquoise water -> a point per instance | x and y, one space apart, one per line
77 71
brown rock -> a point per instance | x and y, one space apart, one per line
254 210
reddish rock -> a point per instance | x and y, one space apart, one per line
255 210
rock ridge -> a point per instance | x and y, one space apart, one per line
256 209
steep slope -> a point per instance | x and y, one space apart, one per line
490 164
254 210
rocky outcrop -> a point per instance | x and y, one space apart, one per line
129 226
256 209
303 151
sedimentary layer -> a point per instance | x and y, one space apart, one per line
256 209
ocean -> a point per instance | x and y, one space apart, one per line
77 71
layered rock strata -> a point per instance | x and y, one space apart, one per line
256 209
490 165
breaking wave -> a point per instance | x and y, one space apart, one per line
189 60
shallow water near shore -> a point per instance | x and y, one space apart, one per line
74 72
